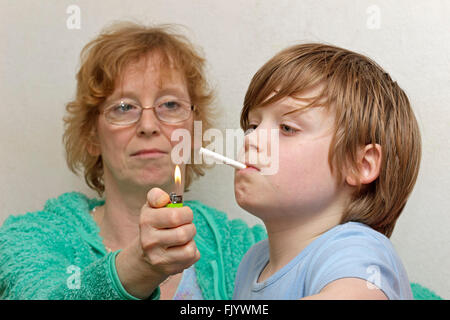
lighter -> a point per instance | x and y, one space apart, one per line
176 198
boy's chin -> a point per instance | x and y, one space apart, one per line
252 206
250 200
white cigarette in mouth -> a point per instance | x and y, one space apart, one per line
211 154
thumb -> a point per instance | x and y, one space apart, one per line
157 198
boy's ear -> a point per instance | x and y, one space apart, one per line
369 164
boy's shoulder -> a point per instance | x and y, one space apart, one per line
354 250
352 238
356 233
341 239
355 229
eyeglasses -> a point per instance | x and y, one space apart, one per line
168 110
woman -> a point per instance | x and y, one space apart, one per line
136 85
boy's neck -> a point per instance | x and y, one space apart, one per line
289 238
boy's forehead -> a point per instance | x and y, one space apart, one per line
297 106
289 105
306 95
297 100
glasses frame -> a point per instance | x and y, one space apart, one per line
191 109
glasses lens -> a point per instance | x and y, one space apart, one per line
173 110
122 113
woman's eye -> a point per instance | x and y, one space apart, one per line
170 105
288 129
124 107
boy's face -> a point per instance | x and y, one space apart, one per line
303 184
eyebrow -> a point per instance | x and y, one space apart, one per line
165 91
122 94
175 90
295 109
299 113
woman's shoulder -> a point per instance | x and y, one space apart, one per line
204 214
68 209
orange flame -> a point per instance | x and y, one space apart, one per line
177 175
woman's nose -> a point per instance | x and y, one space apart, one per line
148 124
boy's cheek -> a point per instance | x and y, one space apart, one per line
246 192
299 175
239 194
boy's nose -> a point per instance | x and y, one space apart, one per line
261 145
254 146
251 141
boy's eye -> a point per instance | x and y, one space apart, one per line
287 129
250 129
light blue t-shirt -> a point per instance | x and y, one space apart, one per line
350 250
188 288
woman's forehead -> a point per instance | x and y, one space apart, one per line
151 71
152 65
150 62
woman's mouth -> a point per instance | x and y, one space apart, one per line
149 154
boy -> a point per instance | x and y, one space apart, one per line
349 154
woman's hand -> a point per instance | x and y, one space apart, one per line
167 235
165 246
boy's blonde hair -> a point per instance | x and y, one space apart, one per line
370 108
103 61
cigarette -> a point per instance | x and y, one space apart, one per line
235 164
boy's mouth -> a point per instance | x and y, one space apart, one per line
251 167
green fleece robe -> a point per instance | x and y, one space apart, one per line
57 253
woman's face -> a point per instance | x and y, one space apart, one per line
139 155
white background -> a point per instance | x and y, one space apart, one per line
39 57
